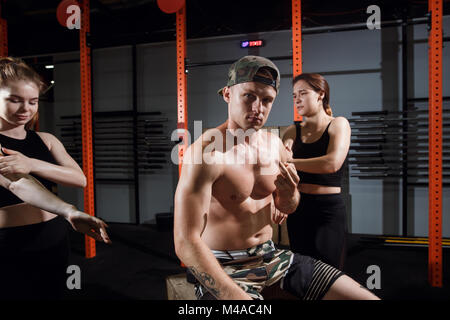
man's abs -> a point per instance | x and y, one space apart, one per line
237 229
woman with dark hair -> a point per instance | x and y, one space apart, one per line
319 146
34 244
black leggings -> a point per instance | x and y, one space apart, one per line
33 260
318 228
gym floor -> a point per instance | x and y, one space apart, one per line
135 266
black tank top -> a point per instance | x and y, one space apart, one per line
315 149
33 147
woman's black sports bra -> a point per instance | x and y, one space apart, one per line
315 149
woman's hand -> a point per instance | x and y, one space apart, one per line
15 162
277 216
289 153
89 225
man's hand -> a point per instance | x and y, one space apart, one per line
89 225
286 195
14 163
290 154
287 180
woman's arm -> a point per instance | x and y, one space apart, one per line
337 151
31 191
66 172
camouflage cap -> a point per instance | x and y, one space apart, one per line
246 68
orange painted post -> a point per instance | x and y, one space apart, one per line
3 36
297 44
435 145
86 121
181 86
181 83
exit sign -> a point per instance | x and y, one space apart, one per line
252 43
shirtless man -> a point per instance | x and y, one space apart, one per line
222 226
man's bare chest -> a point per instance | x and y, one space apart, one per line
248 172
244 183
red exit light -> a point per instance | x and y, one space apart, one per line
252 43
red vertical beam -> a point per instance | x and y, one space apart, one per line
86 121
181 83
435 145
3 36
297 44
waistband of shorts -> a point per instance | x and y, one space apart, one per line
33 237
258 250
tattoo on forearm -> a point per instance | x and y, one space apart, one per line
206 280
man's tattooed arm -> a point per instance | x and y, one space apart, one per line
207 281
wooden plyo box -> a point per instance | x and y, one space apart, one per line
178 288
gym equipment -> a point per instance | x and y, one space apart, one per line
86 120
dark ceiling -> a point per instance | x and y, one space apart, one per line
33 28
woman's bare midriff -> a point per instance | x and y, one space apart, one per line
22 214
317 189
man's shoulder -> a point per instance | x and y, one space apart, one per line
276 144
272 136
269 134
201 154
208 138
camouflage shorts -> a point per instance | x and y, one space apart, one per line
252 269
